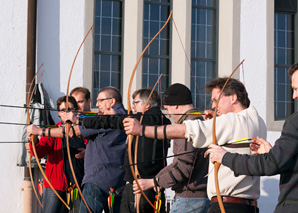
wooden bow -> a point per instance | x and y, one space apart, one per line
33 137
29 98
138 197
216 164
68 124
130 137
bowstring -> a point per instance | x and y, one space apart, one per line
200 95
248 131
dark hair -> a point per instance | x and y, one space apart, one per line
144 95
83 90
112 92
293 69
233 87
70 100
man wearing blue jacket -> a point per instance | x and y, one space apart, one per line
104 156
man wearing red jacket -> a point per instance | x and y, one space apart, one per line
57 167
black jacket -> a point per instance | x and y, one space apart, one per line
282 159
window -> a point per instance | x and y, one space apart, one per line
156 60
283 57
203 50
107 65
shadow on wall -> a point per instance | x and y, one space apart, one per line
269 194
48 47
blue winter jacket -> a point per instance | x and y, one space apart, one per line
104 156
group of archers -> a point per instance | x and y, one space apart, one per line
100 152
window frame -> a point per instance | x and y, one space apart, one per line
194 89
271 122
165 81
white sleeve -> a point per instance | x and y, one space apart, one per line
200 132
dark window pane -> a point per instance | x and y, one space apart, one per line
284 58
105 63
281 39
117 10
96 63
154 62
104 79
281 20
106 8
280 114
146 29
117 27
116 44
107 45
153 66
154 28
96 78
201 34
115 80
116 65
154 13
203 3
146 11
153 48
289 6
97 23
210 34
106 25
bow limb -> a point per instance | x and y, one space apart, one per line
216 164
68 124
28 122
33 145
130 137
138 197
33 138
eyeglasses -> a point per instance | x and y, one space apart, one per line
67 110
214 101
135 101
103 99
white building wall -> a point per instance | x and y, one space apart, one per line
256 15
60 32
13 38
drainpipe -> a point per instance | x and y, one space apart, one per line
30 72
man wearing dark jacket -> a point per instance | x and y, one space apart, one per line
281 159
151 153
187 175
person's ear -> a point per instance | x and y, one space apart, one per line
147 107
234 98
113 102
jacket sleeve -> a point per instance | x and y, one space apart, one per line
200 132
88 133
104 122
43 147
278 160
180 170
